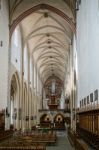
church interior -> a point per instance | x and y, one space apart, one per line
49 78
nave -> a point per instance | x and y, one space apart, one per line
49 77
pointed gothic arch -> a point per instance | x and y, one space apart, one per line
14 99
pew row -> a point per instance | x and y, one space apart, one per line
5 134
76 142
88 127
91 138
39 147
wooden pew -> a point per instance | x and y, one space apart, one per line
91 138
76 142
80 146
48 139
36 141
71 137
88 127
5 134
19 143
40 147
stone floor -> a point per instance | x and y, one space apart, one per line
62 142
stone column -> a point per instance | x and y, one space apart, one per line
17 106
28 88
73 93
29 94
32 101
22 122
36 98
71 96
75 80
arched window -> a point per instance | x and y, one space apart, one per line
34 77
16 47
16 37
31 71
25 63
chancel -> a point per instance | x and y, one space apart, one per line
49 77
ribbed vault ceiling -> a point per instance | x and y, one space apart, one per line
48 36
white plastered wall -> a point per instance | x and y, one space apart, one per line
4 49
88 47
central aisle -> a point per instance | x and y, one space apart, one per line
62 142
